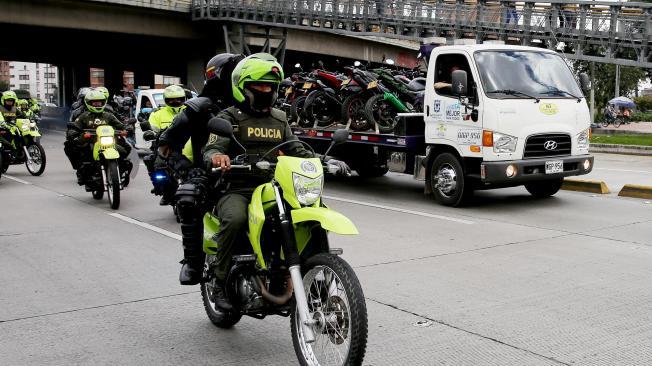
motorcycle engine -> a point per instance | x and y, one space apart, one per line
249 298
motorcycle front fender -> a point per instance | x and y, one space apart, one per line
111 154
395 102
328 219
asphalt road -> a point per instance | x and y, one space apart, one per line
510 280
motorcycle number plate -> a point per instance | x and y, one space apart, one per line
288 91
554 166
307 85
372 84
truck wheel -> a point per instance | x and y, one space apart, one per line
447 181
544 188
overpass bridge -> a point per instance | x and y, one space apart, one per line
600 31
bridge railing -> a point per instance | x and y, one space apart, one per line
563 16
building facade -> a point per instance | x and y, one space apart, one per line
39 79
4 72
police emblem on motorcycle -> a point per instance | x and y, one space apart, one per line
437 106
308 167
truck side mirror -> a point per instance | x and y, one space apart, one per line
474 115
459 82
585 83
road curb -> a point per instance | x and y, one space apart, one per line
636 191
585 185
621 149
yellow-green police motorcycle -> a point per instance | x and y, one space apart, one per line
20 144
289 269
105 174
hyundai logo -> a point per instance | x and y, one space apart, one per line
550 145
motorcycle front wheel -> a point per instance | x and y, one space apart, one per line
113 184
336 302
36 163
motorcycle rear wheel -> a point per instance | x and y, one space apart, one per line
353 110
336 301
219 318
36 165
320 108
113 184
381 112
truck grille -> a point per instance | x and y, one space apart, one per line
540 146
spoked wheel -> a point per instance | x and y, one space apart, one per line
336 303
382 113
353 110
36 163
216 316
320 108
113 184
617 122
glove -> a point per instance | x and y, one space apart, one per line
338 167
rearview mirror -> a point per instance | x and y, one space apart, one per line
220 127
149 135
459 82
340 136
585 83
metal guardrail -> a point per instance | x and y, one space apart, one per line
171 5
613 32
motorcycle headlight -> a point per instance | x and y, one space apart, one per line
583 139
33 124
25 126
504 143
308 190
107 140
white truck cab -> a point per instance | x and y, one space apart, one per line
499 116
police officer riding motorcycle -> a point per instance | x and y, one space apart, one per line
258 127
78 148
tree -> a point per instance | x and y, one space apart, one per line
4 85
605 80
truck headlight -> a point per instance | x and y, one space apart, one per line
308 190
504 143
107 140
583 139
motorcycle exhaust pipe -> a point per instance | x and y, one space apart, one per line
278 300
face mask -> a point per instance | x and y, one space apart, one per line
260 102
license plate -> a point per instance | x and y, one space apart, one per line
288 91
372 84
554 166
307 85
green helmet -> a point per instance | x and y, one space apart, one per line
8 95
22 104
94 96
104 91
174 97
259 68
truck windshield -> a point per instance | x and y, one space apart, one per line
525 74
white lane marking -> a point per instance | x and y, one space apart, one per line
625 170
402 210
147 226
16 179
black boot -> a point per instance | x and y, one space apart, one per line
219 296
191 272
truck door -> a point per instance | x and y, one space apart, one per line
446 115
